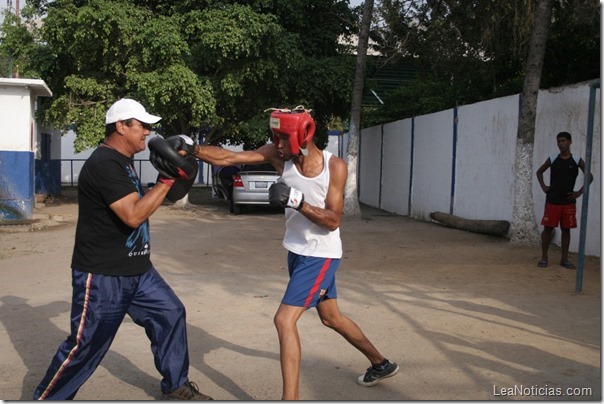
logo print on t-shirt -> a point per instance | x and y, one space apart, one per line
139 240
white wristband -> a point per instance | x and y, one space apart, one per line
295 198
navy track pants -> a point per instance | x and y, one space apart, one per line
99 305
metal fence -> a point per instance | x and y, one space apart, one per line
138 166
145 170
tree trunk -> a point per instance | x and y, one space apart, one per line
182 203
351 198
524 227
494 227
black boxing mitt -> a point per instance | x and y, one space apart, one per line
168 162
182 186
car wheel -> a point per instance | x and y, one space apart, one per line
236 209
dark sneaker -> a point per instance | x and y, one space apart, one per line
189 391
373 375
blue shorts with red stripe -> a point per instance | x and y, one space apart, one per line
311 280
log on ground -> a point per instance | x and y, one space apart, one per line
494 227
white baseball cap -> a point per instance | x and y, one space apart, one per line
127 109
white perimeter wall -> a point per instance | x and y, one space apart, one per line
397 181
370 147
432 160
16 112
486 148
468 169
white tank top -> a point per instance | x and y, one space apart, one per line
302 236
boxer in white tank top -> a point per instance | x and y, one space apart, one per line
301 235
311 190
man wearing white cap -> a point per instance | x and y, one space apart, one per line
112 273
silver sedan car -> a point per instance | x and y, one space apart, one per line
251 184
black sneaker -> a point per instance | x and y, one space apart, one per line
373 376
189 391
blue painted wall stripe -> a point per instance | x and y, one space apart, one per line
16 185
381 166
453 161
411 162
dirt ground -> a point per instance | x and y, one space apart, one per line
466 316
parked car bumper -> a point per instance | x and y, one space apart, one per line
251 185
244 197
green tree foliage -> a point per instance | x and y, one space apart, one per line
573 48
17 46
420 96
212 67
209 68
246 56
467 51
102 51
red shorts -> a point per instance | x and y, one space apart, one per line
565 215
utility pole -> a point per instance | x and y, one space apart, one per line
14 68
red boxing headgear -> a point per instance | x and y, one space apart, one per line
297 124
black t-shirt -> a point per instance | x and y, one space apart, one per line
563 174
103 243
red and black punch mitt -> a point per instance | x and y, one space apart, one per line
172 165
